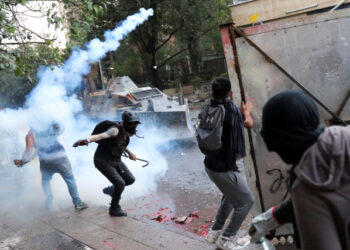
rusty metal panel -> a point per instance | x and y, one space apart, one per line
267 10
316 54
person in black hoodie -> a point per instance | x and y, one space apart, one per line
320 159
226 169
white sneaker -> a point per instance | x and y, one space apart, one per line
213 235
233 242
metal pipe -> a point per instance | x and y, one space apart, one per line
337 6
243 97
269 59
235 3
299 9
342 105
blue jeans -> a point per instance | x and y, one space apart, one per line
61 166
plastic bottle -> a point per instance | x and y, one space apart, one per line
263 244
266 244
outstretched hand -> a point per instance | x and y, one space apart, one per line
81 143
132 157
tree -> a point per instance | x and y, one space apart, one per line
18 42
178 28
148 38
200 20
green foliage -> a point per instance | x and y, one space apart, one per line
127 61
180 31
224 75
196 81
22 50
173 84
13 89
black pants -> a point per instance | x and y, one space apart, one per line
118 174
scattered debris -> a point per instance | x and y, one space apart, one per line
185 219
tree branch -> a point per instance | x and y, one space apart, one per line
22 43
23 27
166 40
171 57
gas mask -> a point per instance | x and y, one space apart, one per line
130 128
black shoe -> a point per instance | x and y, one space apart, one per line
108 190
80 206
117 211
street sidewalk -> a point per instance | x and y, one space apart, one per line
93 228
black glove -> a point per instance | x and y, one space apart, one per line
81 143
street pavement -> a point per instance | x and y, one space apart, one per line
92 228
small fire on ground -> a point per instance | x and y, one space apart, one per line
192 222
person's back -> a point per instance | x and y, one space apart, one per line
226 170
323 183
112 148
47 145
233 146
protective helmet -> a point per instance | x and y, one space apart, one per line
130 121
130 117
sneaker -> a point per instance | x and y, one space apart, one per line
117 211
108 190
232 243
213 235
80 206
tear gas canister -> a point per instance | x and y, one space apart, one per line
263 244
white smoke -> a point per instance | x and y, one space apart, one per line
53 100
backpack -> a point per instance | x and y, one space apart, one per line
209 129
103 127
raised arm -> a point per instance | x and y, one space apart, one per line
246 109
29 152
112 132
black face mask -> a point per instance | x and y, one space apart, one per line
290 125
130 128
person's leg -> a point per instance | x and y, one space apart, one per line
237 193
315 220
225 207
127 176
240 197
222 214
125 173
65 170
109 170
46 176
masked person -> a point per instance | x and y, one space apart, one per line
226 169
107 159
53 159
320 194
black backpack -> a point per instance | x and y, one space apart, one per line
209 129
104 126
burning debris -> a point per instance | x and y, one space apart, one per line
186 219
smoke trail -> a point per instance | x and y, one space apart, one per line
53 99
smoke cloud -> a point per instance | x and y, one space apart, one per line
53 100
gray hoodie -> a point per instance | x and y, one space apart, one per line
326 164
